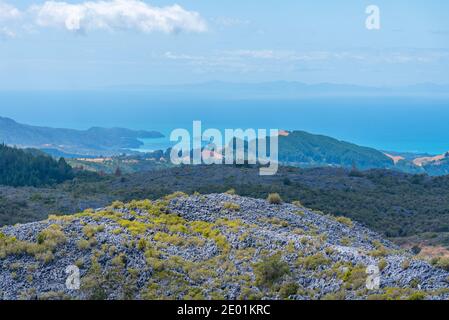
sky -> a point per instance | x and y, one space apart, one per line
53 45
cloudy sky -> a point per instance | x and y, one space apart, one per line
93 44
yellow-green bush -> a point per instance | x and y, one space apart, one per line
274 198
344 220
354 277
288 289
313 262
91 230
231 206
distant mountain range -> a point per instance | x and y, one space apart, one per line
285 90
83 142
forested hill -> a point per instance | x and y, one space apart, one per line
26 168
314 150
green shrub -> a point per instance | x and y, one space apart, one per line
297 203
313 262
441 262
288 289
345 241
418 295
380 250
399 294
274 198
231 192
91 230
336 296
270 270
382 264
83 244
344 220
175 195
231 206
117 205
355 278
52 236
142 244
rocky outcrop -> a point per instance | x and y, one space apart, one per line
218 246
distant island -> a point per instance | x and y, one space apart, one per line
94 141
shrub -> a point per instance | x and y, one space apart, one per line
418 295
276 222
135 227
231 192
47 240
231 206
91 230
288 289
414 283
355 277
142 244
399 294
274 198
442 263
336 296
83 244
382 264
45 257
175 195
94 283
405 264
380 251
314 262
345 221
250 294
270 270
117 205
297 203
345 241
79 263
52 236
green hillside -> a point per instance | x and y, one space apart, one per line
31 168
300 147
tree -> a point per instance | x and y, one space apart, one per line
31 168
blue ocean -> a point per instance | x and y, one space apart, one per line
418 125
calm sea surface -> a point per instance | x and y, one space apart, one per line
400 124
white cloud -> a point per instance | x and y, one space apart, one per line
8 16
117 15
8 12
113 15
5 33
